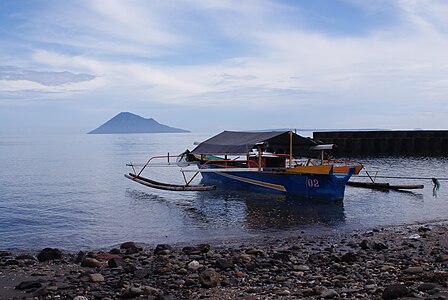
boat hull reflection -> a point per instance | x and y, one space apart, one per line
261 211
293 213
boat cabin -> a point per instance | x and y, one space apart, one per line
260 149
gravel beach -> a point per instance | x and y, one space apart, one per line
408 262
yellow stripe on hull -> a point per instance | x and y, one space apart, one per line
321 169
345 169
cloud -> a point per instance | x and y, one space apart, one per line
19 84
149 80
100 27
137 21
374 7
253 55
45 78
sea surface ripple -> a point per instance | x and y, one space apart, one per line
68 191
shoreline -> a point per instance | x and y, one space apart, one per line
235 240
382 263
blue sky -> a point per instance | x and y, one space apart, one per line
224 64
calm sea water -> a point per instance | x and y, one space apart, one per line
68 191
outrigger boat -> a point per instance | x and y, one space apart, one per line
278 162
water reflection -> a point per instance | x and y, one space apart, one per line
292 212
248 211
410 193
262 211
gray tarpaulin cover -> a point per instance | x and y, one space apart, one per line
238 143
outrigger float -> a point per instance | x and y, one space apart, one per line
278 162
385 186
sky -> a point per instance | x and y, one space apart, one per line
69 66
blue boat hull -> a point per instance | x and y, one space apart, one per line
331 186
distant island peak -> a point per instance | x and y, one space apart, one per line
126 122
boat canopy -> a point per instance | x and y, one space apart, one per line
239 143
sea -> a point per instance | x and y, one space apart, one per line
69 192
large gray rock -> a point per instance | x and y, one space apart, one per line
330 293
116 262
427 286
28 285
127 245
349 257
395 291
49 254
379 246
209 278
365 245
224 264
132 292
163 249
199 249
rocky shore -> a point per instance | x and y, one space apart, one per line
389 263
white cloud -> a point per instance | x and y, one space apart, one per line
22 91
377 6
9 73
136 21
136 48
103 27
146 79
430 17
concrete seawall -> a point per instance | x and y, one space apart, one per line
386 143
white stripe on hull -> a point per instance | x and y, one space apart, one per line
277 187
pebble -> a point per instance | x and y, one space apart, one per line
442 258
426 287
379 246
283 292
25 256
301 268
96 278
162 249
413 270
28 285
414 237
142 273
244 259
307 292
255 251
330 293
382 264
193 265
90 262
387 268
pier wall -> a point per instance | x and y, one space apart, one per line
386 143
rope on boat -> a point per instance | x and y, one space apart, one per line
403 177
